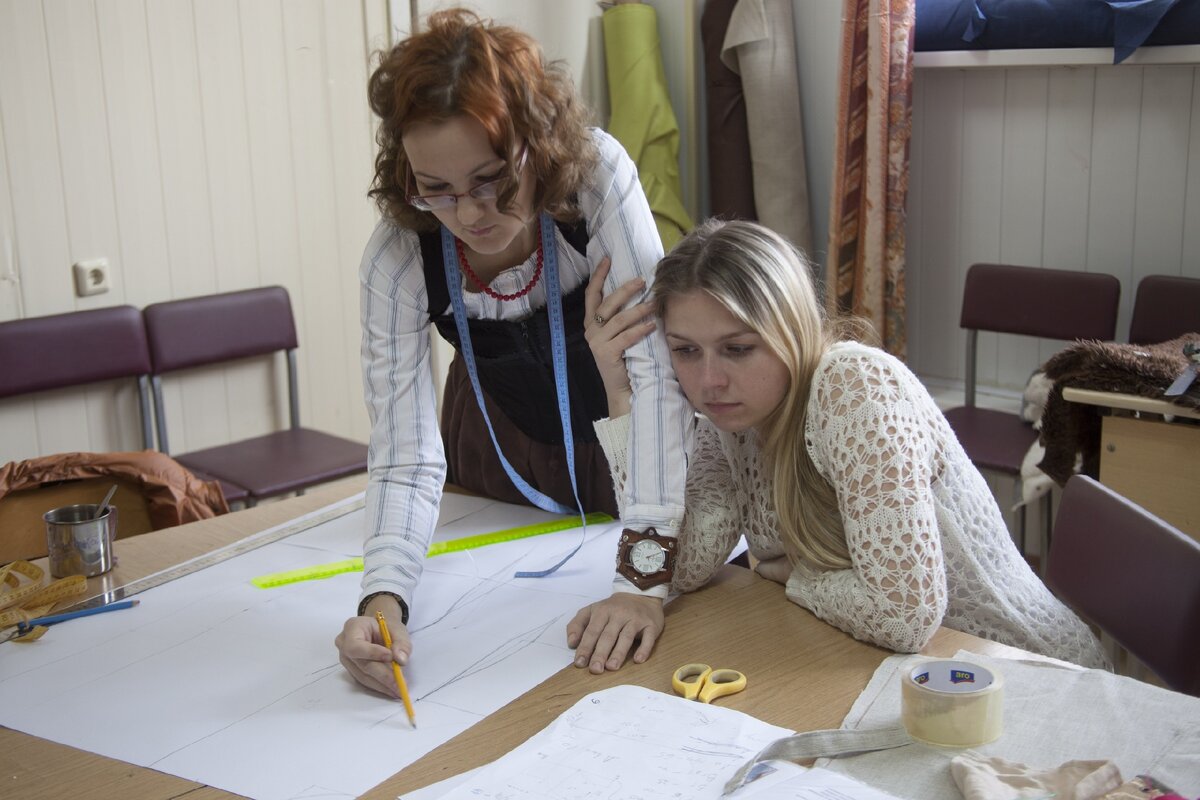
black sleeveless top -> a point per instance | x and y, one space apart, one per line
514 359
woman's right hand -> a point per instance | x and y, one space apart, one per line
362 652
610 331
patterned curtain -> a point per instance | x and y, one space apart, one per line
865 272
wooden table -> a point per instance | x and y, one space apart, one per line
803 674
1151 461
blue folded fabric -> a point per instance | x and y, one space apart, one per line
1123 25
1133 22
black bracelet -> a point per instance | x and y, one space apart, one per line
362 606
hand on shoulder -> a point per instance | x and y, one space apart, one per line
610 331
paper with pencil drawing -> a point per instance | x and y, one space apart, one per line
217 681
632 742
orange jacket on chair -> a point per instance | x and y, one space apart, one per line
172 495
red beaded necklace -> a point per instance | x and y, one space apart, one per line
489 291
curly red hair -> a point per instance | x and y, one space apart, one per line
496 74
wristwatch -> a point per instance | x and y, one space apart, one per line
646 559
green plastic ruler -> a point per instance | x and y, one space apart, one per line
519 532
320 571
317 572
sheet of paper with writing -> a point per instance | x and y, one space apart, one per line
628 742
217 681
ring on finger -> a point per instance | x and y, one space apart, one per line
599 319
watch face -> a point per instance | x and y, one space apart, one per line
647 557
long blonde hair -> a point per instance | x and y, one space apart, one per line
767 285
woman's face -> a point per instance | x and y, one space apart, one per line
455 156
725 368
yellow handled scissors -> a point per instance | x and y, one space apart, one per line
702 682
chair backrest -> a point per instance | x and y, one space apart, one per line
1132 574
77 348
197 331
1165 307
1033 301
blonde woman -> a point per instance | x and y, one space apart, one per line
829 455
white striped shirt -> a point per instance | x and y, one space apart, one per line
407 464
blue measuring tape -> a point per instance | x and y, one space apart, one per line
558 349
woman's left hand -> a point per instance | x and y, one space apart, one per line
775 569
610 331
603 633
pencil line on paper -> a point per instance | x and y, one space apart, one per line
489 659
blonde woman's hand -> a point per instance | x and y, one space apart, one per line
610 331
776 569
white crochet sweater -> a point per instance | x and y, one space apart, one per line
928 544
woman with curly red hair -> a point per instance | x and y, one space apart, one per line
499 206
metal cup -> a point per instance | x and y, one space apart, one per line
78 544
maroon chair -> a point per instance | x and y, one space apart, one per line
80 347
223 327
1028 301
1131 574
1165 307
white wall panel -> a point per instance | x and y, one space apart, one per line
353 147
34 168
1191 207
200 147
1068 167
1161 177
940 154
10 295
1112 196
83 146
183 156
1022 211
1087 168
39 216
142 270
223 111
322 290
980 200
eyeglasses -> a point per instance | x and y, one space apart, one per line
484 191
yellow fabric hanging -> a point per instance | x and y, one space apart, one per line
642 118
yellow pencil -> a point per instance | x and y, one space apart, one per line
400 684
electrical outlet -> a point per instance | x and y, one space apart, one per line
91 277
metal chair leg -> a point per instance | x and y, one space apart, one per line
1047 526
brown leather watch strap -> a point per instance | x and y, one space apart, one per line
631 539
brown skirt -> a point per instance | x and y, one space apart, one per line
472 462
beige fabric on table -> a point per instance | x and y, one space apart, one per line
981 777
760 46
1053 713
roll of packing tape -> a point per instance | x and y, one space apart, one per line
952 703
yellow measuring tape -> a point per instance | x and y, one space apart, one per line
23 600
320 571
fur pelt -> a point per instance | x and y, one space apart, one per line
1073 429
